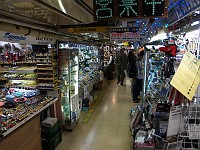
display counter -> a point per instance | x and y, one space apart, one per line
27 136
26 133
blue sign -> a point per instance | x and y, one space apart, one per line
12 37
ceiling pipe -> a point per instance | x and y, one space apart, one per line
43 4
39 27
84 6
27 31
20 17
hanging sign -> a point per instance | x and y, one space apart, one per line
122 9
104 9
187 77
127 8
88 30
125 34
153 7
22 39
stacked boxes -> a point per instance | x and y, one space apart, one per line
51 133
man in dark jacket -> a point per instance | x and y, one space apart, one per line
137 87
121 66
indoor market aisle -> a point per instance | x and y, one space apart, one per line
108 128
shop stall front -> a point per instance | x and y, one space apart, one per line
28 88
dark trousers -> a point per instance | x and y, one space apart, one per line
120 76
109 72
136 88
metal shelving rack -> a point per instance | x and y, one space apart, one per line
190 135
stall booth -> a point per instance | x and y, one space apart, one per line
28 91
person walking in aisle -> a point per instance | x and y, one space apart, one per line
137 86
121 66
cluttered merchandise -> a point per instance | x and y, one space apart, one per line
167 117
26 77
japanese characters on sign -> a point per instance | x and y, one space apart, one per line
124 34
129 29
119 9
104 9
153 7
128 8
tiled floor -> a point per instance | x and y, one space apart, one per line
108 128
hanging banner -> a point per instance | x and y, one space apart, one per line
125 34
22 39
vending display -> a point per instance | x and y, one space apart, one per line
68 93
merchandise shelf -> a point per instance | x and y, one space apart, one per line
29 117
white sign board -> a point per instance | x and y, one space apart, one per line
22 39
125 34
176 121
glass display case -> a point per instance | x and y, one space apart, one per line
68 74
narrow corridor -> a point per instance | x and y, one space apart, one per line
108 127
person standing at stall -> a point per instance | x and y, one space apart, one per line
137 87
121 66
110 66
111 61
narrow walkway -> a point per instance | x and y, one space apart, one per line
108 128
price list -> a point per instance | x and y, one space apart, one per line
187 77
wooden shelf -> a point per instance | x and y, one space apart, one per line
44 78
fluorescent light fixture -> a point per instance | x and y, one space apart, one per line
61 6
195 23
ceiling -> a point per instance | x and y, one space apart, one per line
45 12
57 15
46 15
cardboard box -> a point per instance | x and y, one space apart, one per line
145 146
49 122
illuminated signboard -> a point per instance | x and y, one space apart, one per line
104 9
125 29
128 8
122 9
125 34
153 7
